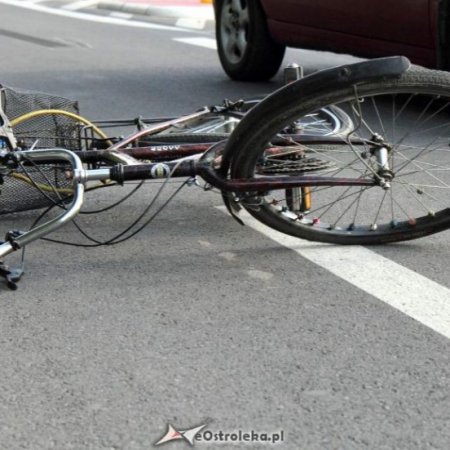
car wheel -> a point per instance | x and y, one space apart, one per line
246 50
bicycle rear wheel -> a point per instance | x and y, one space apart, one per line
218 127
399 141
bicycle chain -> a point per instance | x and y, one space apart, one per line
301 165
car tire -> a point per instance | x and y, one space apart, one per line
246 50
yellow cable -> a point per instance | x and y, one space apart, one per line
43 112
61 112
44 187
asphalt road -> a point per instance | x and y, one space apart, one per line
198 320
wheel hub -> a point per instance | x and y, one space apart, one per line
235 21
381 151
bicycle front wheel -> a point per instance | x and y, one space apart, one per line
399 143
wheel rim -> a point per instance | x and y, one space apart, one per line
412 191
324 122
234 29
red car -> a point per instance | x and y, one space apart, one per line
252 34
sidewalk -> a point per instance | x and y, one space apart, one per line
184 13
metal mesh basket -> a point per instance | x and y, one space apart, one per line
40 186
34 188
43 131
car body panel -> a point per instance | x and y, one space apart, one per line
360 27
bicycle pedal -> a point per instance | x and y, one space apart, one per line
11 275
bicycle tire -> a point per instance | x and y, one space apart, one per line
404 112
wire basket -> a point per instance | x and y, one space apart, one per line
33 187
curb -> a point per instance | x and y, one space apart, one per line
191 17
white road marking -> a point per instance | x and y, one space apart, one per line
120 15
79 5
409 292
199 41
90 17
188 22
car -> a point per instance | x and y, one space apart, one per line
252 35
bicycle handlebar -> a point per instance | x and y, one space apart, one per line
70 211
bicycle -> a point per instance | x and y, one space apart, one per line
349 155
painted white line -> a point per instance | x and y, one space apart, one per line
90 17
79 5
199 41
411 293
120 15
193 23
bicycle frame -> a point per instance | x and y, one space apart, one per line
210 161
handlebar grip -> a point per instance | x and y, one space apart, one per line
121 173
